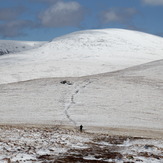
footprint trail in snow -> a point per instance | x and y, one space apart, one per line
78 88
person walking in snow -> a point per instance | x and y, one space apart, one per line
81 128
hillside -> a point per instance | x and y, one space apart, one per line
82 53
128 99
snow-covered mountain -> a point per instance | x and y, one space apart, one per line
10 46
127 101
82 53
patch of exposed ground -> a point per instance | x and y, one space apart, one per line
53 144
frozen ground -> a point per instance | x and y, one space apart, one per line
54 144
82 53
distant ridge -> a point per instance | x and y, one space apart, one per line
11 46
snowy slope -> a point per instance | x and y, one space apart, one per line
82 53
130 99
9 46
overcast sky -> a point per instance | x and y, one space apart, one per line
46 19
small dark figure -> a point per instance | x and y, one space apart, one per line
81 128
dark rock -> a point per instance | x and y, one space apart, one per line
66 82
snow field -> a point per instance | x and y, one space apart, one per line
129 98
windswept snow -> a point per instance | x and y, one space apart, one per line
9 46
82 53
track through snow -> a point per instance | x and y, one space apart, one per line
76 91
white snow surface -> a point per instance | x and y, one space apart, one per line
130 99
82 53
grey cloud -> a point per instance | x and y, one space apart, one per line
10 23
153 2
10 13
62 14
118 15
14 28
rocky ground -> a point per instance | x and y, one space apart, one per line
55 144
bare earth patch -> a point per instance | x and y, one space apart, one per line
53 144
